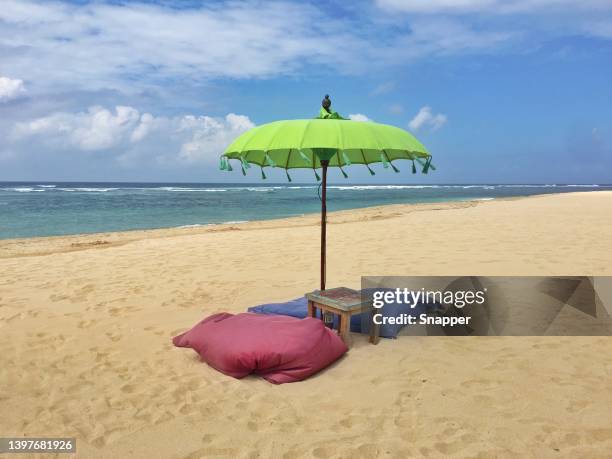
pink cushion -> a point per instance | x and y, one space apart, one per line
280 348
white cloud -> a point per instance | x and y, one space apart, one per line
426 118
103 45
358 117
491 6
486 24
448 36
96 129
211 135
136 46
10 88
129 135
147 123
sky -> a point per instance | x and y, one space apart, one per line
499 91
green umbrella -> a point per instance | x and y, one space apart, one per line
326 141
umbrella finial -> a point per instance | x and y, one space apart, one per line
326 112
326 103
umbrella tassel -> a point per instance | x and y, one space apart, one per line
343 173
304 157
288 176
384 160
371 171
413 167
423 165
229 166
426 166
317 176
223 163
345 158
263 175
243 169
269 161
245 164
395 169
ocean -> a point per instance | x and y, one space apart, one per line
58 208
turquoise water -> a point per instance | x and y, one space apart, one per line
55 208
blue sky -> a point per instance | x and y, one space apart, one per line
514 91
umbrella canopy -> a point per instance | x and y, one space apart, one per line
326 141
304 144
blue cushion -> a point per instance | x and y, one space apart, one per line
299 308
294 308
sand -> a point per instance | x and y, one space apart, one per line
86 325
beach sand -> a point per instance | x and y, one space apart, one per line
86 324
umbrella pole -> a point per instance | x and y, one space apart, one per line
324 164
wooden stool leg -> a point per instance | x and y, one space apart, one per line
374 330
312 311
344 327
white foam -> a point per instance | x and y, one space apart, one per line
528 186
183 189
381 187
262 189
195 225
201 225
87 190
25 190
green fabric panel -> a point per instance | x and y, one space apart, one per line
383 159
304 157
270 161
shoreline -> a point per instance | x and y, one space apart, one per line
29 246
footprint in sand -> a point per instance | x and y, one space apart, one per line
55 298
82 293
577 405
164 417
86 323
128 389
324 451
600 434
212 452
114 337
121 311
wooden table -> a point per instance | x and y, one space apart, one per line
343 302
